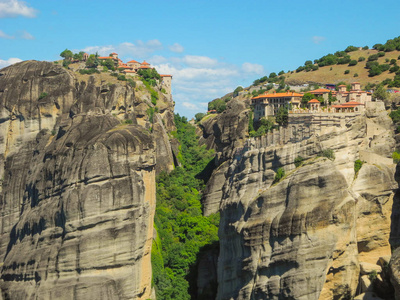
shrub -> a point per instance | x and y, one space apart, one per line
121 77
352 62
347 72
128 121
42 95
373 57
380 54
355 75
88 71
357 166
328 153
351 48
396 157
199 116
131 82
150 113
373 275
361 58
298 161
280 173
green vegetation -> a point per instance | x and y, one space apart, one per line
199 116
149 75
43 95
328 153
88 71
280 173
183 232
67 54
264 125
396 157
150 113
298 161
380 93
218 104
282 116
357 166
131 82
347 72
237 90
153 93
128 121
373 276
121 77
92 61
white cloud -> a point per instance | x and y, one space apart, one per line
190 106
157 59
253 68
26 35
199 61
318 39
3 35
177 48
10 61
138 50
14 8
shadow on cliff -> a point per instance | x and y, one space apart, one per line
394 238
202 276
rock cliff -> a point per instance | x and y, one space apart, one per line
78 158
306 235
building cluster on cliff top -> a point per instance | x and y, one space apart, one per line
268 104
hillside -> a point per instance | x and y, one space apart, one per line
335 73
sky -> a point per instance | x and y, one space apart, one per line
209 47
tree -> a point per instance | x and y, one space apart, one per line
282 116
307 97
237 90
92 61
272 75
66 54
109 63
308 62
380 93
199 116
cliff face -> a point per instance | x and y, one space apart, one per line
77 189
306 236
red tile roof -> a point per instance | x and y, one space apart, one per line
313 101
106 57
319 91
279 95
145 63
114 53
163 75
133 61
342 85
352 103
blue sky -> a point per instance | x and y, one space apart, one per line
210 47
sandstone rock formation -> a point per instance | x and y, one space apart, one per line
77 189
305 236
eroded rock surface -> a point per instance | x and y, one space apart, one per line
77 192
305 236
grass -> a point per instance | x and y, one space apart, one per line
325 75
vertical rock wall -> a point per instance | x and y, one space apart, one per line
77 190
305 236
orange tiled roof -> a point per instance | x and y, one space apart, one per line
341 85
317 91
279 95
129 71
163 75
106 57
354 82
133 61
352 103
114 53
144 67
313 101
145 63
